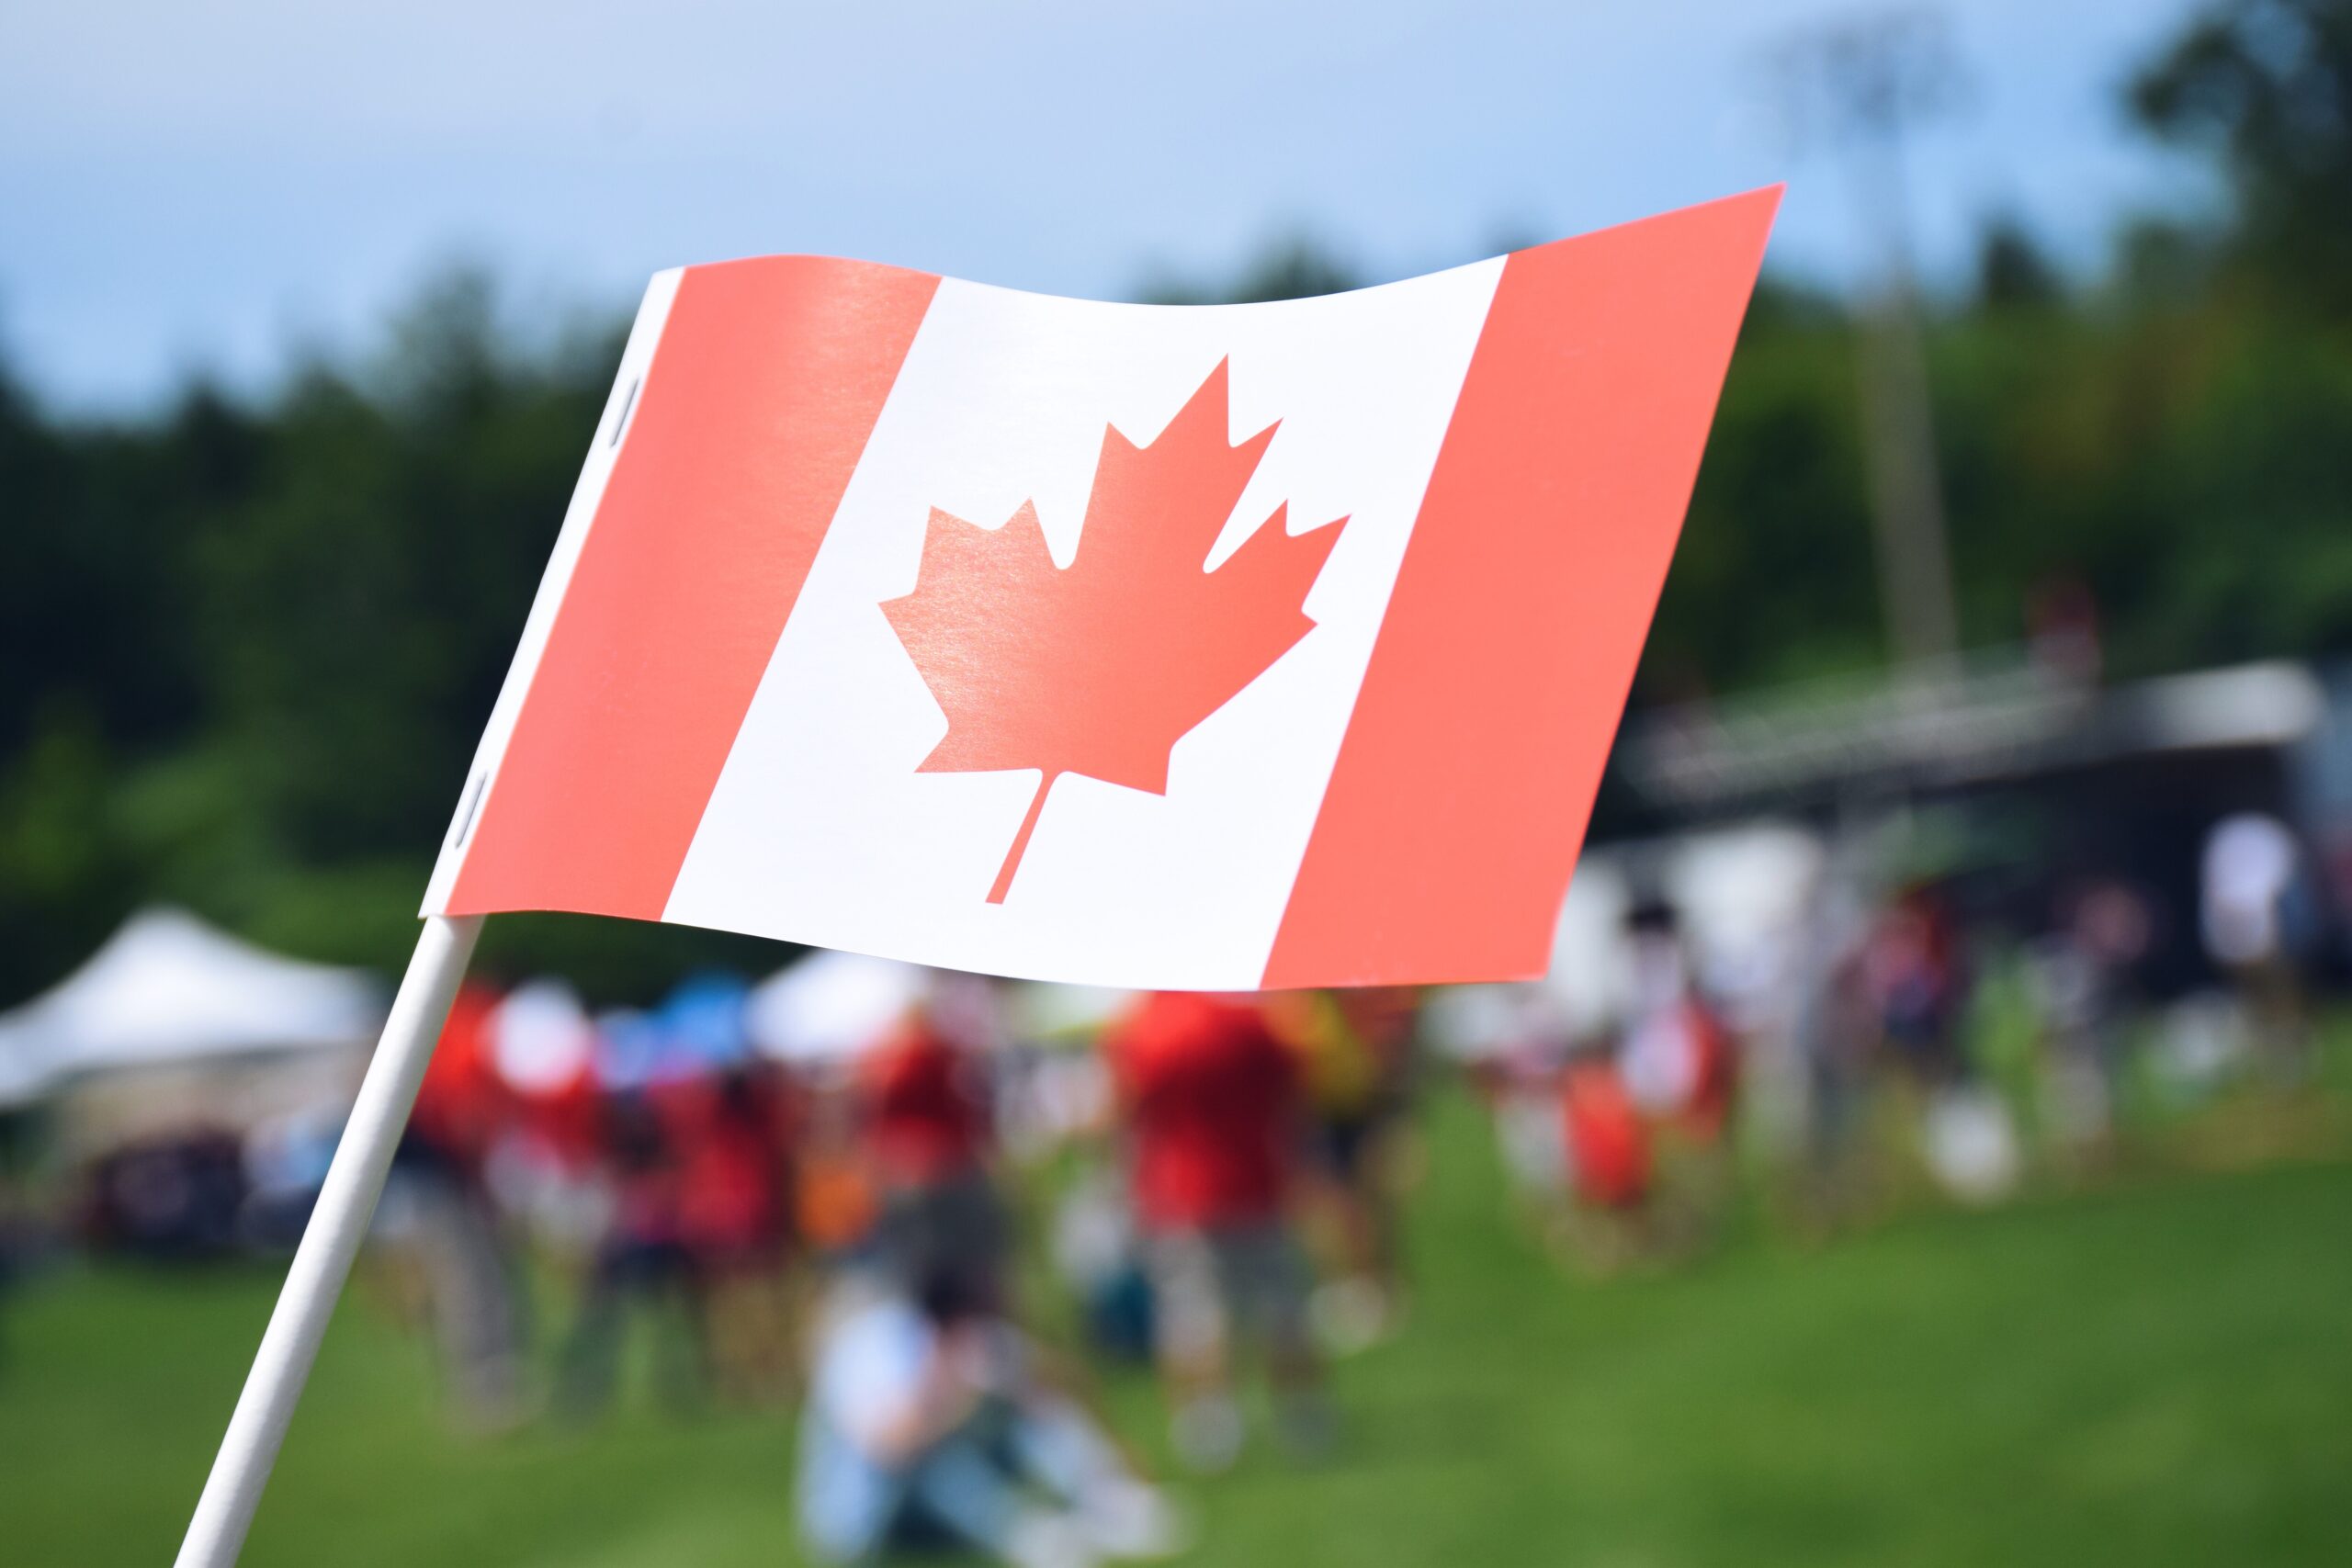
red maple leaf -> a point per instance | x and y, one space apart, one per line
1102 667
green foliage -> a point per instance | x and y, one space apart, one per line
1775 579
1294 268
250 650
2266 84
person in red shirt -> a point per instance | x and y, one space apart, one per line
926 1116
641 1267
1210 1101
926 1126
440 1200
732 1157
1608 1150
462 1104
733 1144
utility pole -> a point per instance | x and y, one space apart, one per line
1856 87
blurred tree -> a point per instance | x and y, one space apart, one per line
1298 267
91 594
2268 85
1775 579
2012 273
249 651
361 598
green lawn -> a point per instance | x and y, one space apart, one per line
2152 1376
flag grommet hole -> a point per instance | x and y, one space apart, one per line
466 818
629 403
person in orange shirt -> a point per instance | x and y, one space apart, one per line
1609 1160
835 1209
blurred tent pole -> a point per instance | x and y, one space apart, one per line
330 1242
1857 85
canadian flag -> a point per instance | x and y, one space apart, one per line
1195 647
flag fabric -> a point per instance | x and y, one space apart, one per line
1209 648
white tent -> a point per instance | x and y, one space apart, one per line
541 1036
24 1076
830 1006
167 988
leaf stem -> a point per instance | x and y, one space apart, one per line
1021 840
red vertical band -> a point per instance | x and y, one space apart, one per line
769 377
1454 814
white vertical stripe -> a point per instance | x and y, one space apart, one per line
820 830
612 433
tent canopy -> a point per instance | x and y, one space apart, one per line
830 1006
167 987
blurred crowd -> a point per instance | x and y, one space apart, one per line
823 1189
927 1210
813 1189
1955 1031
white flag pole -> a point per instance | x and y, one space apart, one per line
330 1242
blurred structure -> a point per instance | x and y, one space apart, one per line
192 1083
167 990
2066 778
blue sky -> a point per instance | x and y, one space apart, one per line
212 186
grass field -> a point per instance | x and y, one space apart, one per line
2155 1375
